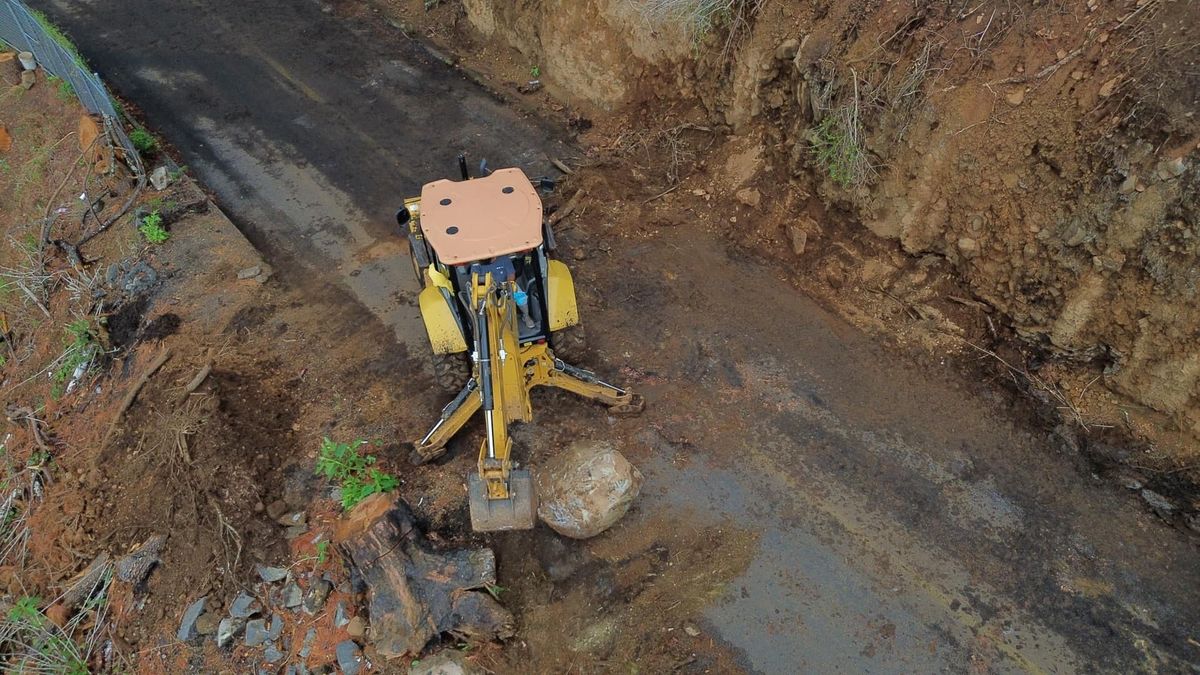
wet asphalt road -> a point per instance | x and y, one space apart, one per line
907 522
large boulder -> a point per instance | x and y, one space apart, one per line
586 489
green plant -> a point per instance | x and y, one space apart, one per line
535 72
32 644
495 590
66 92
343 463
59 37
178 172
80 346
837 146
143 141
322 551
152 229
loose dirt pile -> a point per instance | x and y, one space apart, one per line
1034 165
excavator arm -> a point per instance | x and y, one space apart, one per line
501 496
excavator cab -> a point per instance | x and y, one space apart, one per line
501 317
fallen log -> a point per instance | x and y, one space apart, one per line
414 593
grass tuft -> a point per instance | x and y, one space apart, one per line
60 38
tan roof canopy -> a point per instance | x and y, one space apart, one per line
471 220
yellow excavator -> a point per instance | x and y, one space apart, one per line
501 316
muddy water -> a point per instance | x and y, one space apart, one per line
901 519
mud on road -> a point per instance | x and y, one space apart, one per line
814 502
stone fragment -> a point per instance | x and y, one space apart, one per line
1161 505
786 51
749 196
799 239
292 595
228 629
1171 168
244 606
307 645
256 633
349 657
249 272
271 653
276 627
207 623
187 627
448 662
270 574
318 593
160 179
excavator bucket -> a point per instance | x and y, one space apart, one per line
493 515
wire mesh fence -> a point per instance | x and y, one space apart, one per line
25 31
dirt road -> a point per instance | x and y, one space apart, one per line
820 505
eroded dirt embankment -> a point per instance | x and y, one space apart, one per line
1042 157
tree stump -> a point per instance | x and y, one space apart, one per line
414 593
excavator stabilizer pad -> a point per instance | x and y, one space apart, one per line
518 512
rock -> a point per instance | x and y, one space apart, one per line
28 79
586 489
339 615
691 629
356 627
249 272
1016 96
187 627
786 51
307 645
316 596
349 657
448 662
276 509
276 627
256 633
596 638
1171 168
271 653
295 531
749 196
228 629
207 623
244 606
292 595
136 567
295 519
270 574
1107 88
1161 505
968 247
799 238
1128 185
1193 522
5 139
159 178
